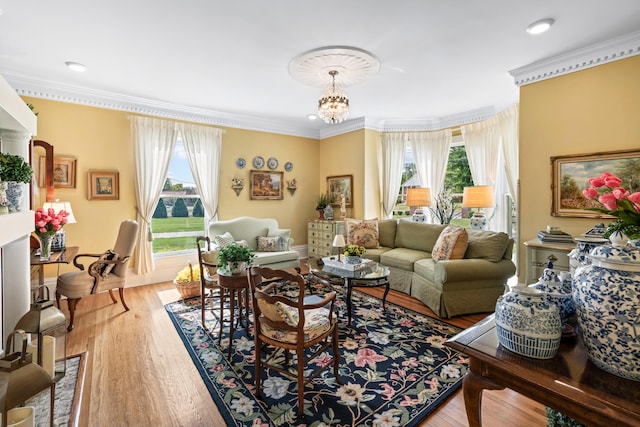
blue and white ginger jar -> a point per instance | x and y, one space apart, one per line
607 294
527 323
557 290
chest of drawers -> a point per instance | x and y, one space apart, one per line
540 254
320 236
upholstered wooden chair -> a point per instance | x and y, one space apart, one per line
292 325
208 260
106 273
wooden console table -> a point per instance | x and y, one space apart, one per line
64 256
568 383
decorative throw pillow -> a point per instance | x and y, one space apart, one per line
102 268
451 244
223 240
269 244
285 233
362 232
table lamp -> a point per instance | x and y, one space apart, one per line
59 241
480 196
338 242
418 197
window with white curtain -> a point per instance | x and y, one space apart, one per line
180 199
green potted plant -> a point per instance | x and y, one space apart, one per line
16 171
14 168
321 202
234 258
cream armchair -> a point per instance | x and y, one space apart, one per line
106 273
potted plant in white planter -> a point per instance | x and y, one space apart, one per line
234 259
16 171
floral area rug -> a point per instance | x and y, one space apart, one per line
67 398
394 367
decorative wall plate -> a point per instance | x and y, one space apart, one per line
240 163
258 162
288 166
272 163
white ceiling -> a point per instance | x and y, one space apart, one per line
230 58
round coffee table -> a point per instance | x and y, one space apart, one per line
374 275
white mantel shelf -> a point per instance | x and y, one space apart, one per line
15 225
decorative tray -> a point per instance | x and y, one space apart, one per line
334 263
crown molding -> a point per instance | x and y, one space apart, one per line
25 86
611 50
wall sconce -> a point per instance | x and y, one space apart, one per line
292 186
237 185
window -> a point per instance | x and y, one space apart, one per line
179 214
457 177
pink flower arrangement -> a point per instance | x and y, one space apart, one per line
617 201
48 222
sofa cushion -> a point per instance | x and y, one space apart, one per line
223 240
266 258
270 244
387 232
417 235
451 244
285 233
487 244
402 258
362 232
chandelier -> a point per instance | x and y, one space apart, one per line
333 106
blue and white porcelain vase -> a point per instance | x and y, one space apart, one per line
352 259
607 294
557 290
14 195
527 323
328 213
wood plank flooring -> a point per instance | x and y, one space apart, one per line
139 373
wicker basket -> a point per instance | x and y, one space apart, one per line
188 289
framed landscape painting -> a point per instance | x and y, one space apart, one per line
338 185
103 185
266 185
571 174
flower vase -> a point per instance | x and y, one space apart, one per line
4 203
45 247
352 259
14 195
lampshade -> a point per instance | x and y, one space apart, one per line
333 106
57 206
338 241
480 196
419 197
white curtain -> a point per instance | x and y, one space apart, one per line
390 165
431 154
153 143
203 146
492 151
508 122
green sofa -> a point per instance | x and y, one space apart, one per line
449 287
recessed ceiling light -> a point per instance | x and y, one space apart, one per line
312 116
76 66
540 26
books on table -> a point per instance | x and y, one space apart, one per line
555 237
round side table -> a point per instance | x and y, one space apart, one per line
236 287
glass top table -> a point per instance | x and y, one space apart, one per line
372 275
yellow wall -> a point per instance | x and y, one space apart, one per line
593 110
100 139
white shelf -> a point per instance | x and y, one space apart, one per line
15 226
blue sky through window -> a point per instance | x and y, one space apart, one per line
179 170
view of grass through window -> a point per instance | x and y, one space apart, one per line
179 215
458 176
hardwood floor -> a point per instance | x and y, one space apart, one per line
140 374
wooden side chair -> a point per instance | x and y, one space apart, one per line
208 261
292 325
106 273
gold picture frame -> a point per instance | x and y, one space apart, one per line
103 185
64 172
570 175
266 185
338 185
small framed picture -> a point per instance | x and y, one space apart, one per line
266 185
64 172
103 185
339 185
